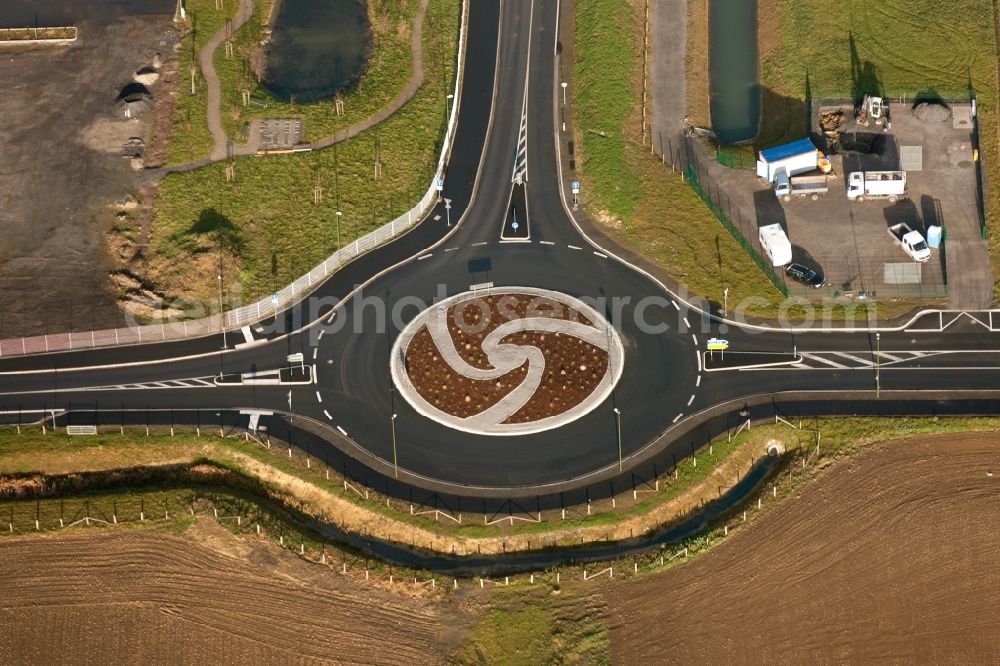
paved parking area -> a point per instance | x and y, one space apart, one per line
848 241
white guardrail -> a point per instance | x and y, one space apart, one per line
293 293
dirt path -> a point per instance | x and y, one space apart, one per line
214 114
205 59
887 556
144 597
668 25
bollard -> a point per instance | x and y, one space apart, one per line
557 576
564 514
390 578
506 580
661 560
744 516
61 523
37 526
302 549
239 520
774 491
142 517
327 474
532 579
480 583
366 574
343 569
308 465
454 583
725 530
758 502
289 452
281 540
258 528
635 567
215 511
613 503
114 518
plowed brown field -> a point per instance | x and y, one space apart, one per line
889 556
152 598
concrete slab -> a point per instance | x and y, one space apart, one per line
911 158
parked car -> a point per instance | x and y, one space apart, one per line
805 275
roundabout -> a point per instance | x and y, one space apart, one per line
512 361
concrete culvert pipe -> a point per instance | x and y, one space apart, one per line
774 447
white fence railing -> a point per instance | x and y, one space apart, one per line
271 305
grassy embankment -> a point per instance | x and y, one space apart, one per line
32 452
900 47
388 71
266 225
190 139
628 192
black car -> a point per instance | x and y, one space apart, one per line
806 276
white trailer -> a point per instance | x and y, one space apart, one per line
790 159
776 244
889 185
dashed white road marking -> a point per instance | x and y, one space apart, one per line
479 243
674 303
546 242
327 414
687 324
315 351
698 381
691 399
600 254
342 431
320 336
697 355
695 338
678 417
319 397
425 256
450 249
574 247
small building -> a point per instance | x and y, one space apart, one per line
792 159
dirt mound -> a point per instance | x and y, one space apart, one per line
932 113
144 597
890 556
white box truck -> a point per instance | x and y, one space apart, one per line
790 159
776 244
889 185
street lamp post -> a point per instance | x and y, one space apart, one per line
725 302
618 423
222 314
447 210
564 84
878 364
339 214
395 461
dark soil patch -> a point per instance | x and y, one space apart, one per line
573 369
471 321
446 389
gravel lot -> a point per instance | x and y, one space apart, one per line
62 164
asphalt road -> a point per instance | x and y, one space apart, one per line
671 397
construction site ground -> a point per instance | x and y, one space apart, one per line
848 241
62 157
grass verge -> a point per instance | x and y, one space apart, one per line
539 625
634 198
190 138
265 228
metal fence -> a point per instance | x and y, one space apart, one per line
273 304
